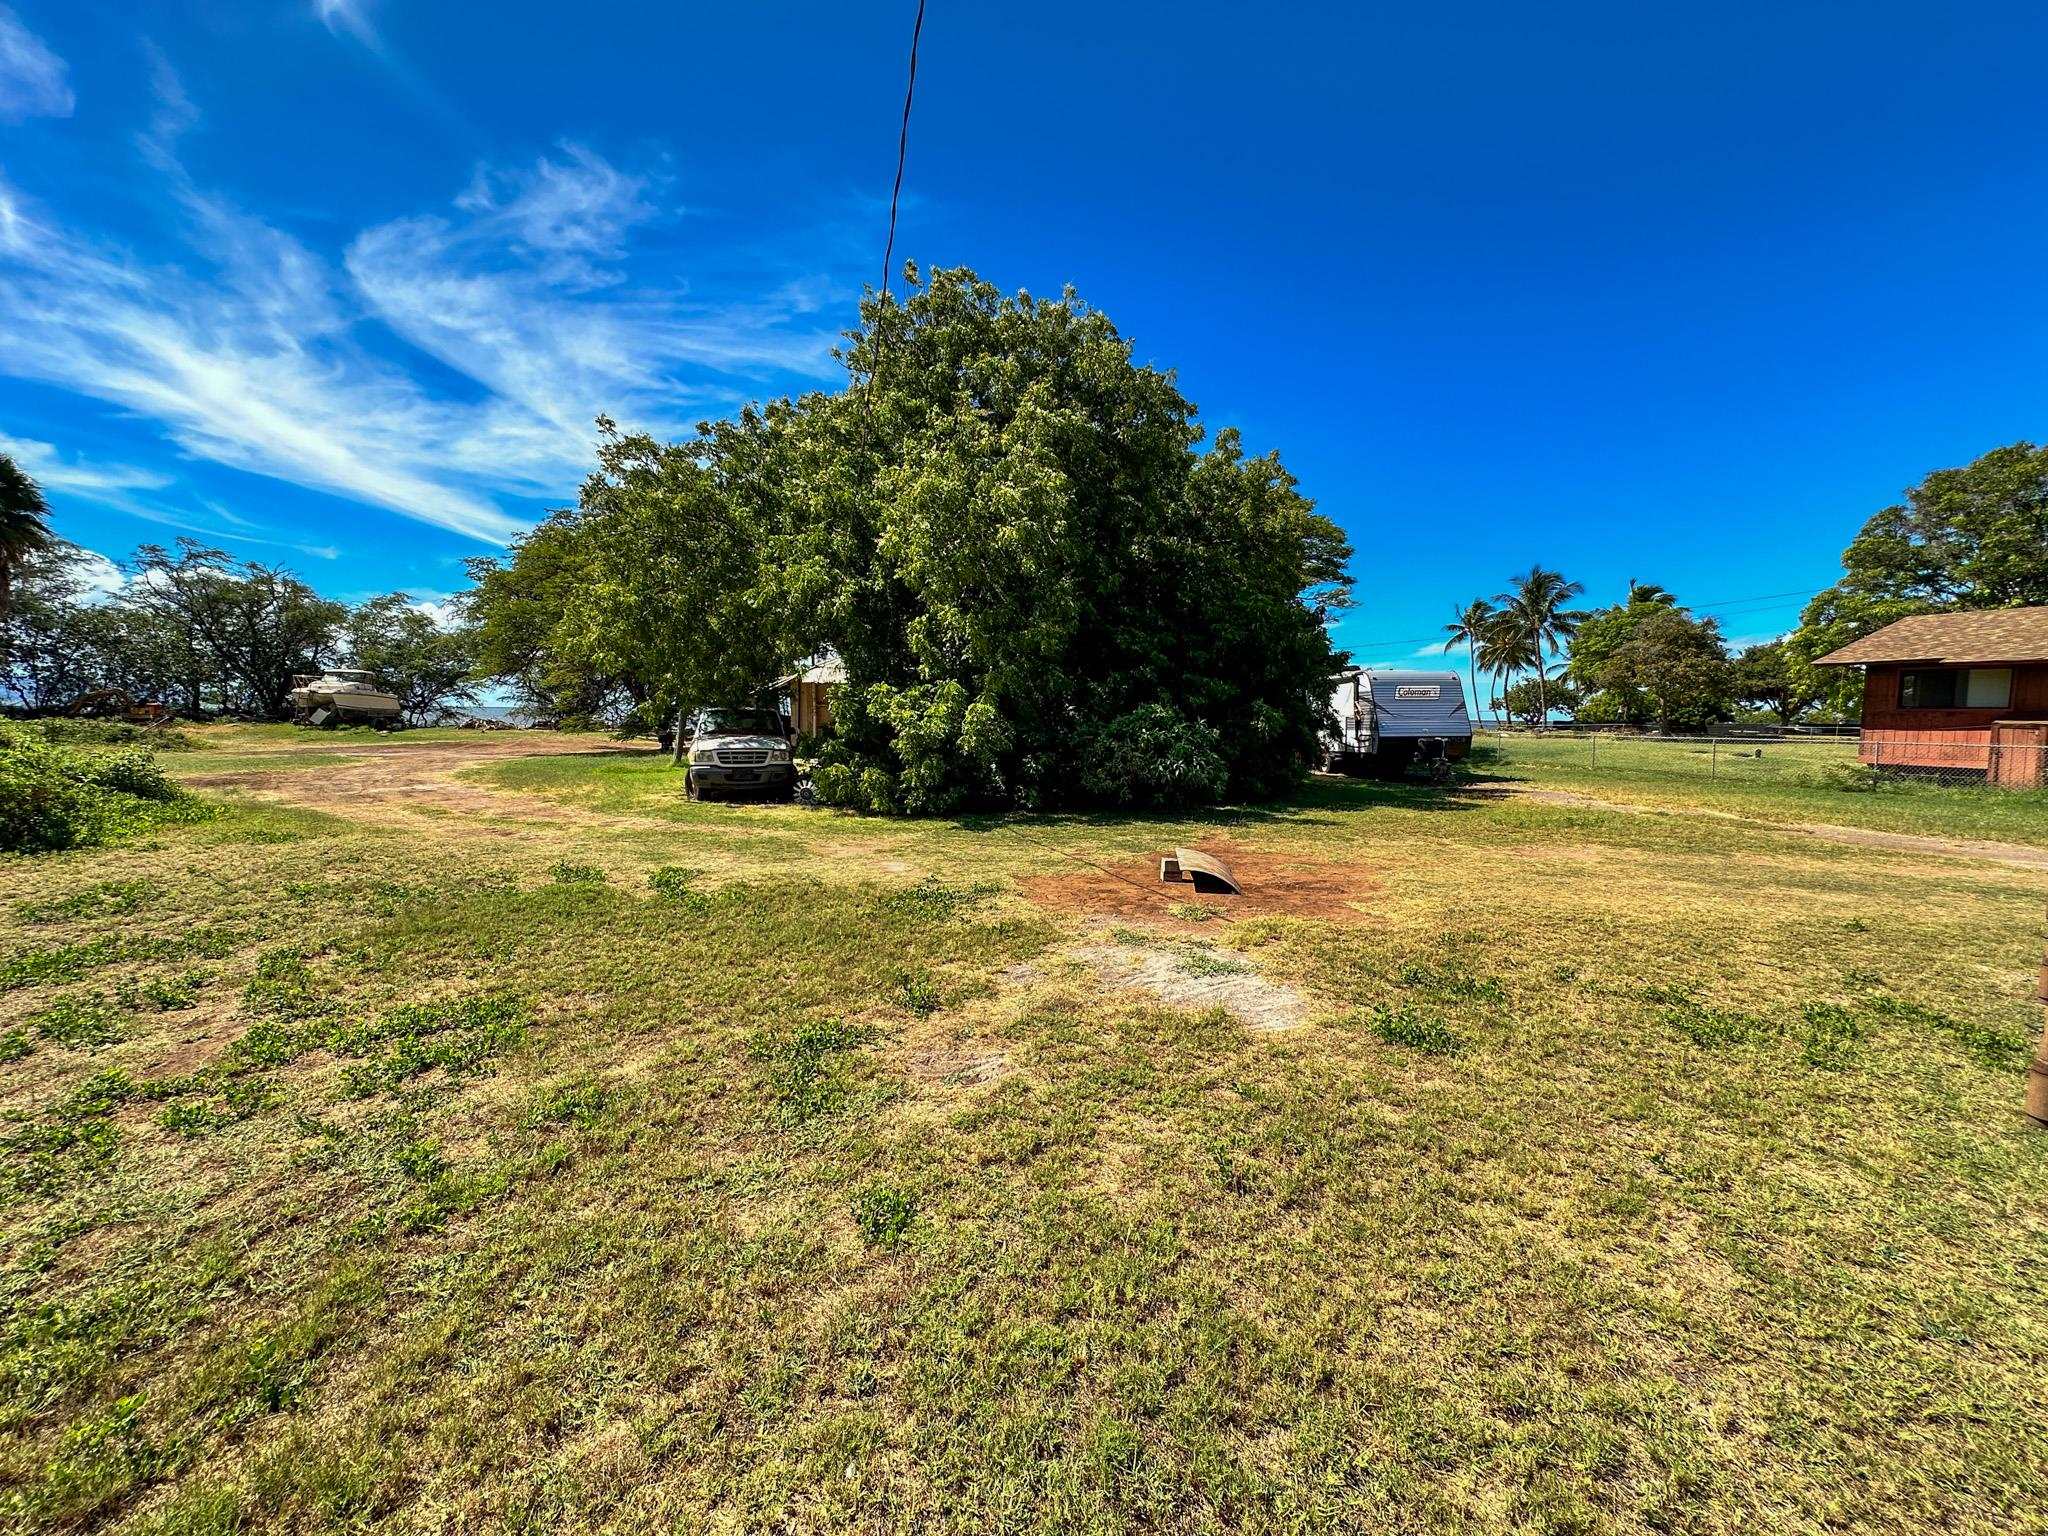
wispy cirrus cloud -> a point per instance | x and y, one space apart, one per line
34 82
254 351
143 493
112 484
347 16
521 294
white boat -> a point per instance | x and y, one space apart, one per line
341 696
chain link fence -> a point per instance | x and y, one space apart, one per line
1838 761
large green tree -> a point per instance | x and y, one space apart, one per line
1775 678
1468 629
1673 668
516 610
671 592
1600 633
254 625
1533 616
1972 537
1010 533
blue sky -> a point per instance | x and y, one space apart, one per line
1679 293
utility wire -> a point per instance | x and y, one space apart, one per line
902 150
867 396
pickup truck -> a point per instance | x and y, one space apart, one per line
738 752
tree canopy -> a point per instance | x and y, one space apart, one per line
205 635
1668 669
1043 589
428 667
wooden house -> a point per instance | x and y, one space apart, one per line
1959 693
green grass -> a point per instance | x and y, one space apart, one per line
723 1168
1786 781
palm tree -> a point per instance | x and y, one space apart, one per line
1504 650
1534 611
1468 629
24 530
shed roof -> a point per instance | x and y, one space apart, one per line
1984 634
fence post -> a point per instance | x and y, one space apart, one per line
1593 741
1714 758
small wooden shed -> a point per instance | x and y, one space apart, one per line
810 694
1963 693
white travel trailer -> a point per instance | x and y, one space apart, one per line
1388 721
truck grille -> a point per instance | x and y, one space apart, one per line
741 757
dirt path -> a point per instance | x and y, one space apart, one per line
2018 855
381 782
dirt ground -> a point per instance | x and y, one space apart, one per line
380 781
1275 885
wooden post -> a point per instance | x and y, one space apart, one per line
2037 1074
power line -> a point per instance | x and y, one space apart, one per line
902 150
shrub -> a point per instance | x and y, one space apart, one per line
1831 1034
918 994
1855 778
115 733
805 1068
131 773
1154 757
54 797
671 882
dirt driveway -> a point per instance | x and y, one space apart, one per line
380 783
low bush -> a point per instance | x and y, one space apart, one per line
1416 1029
115 733
54 796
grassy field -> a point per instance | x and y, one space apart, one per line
515 1146
1771 781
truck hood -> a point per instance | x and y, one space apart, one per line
747 742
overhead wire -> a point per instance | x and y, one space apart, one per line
902 149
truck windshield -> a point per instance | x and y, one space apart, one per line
759 721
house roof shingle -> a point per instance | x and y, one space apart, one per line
1982 635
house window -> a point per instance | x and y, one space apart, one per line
1977 688
1928 690
1987 688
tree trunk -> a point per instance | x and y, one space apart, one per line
1472 671
1542 697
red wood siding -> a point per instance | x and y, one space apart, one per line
1942 738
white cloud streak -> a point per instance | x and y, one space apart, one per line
33 81
255 356
139 492
346 17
